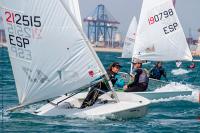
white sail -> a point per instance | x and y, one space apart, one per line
159 34
197 46
199 40
73 5
130 39
49 54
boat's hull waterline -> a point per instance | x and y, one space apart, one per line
129 106
151 95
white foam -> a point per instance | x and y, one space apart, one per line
31 108
173 86
6 116
89 117
180 71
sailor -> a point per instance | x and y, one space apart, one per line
115 78
191 66
158 71
102 87
141 78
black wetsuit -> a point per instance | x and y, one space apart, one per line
140 82
98 90
157 72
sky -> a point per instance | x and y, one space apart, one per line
123 10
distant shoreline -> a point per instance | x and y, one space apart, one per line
119 50
196 53
2 45
98 49
103 49
114 50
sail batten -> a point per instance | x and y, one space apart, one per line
50 56
160 36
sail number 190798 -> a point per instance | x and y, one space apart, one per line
167 27
160 16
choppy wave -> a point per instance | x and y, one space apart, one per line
174 86
173 115
180 71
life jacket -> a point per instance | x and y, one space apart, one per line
144 76
116 79
119 81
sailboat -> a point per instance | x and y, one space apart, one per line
197 49
51 57
160 37
130 39
129 42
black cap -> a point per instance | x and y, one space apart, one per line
114 64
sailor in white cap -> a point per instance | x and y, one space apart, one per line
141 78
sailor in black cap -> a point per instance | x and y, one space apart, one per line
101 87
115 78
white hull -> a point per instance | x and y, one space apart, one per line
130 106
152 95
163 95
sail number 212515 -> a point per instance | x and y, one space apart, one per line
20 19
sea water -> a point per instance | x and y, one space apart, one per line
180 114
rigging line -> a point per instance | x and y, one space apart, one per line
78 91
86 86
91 49
73 94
